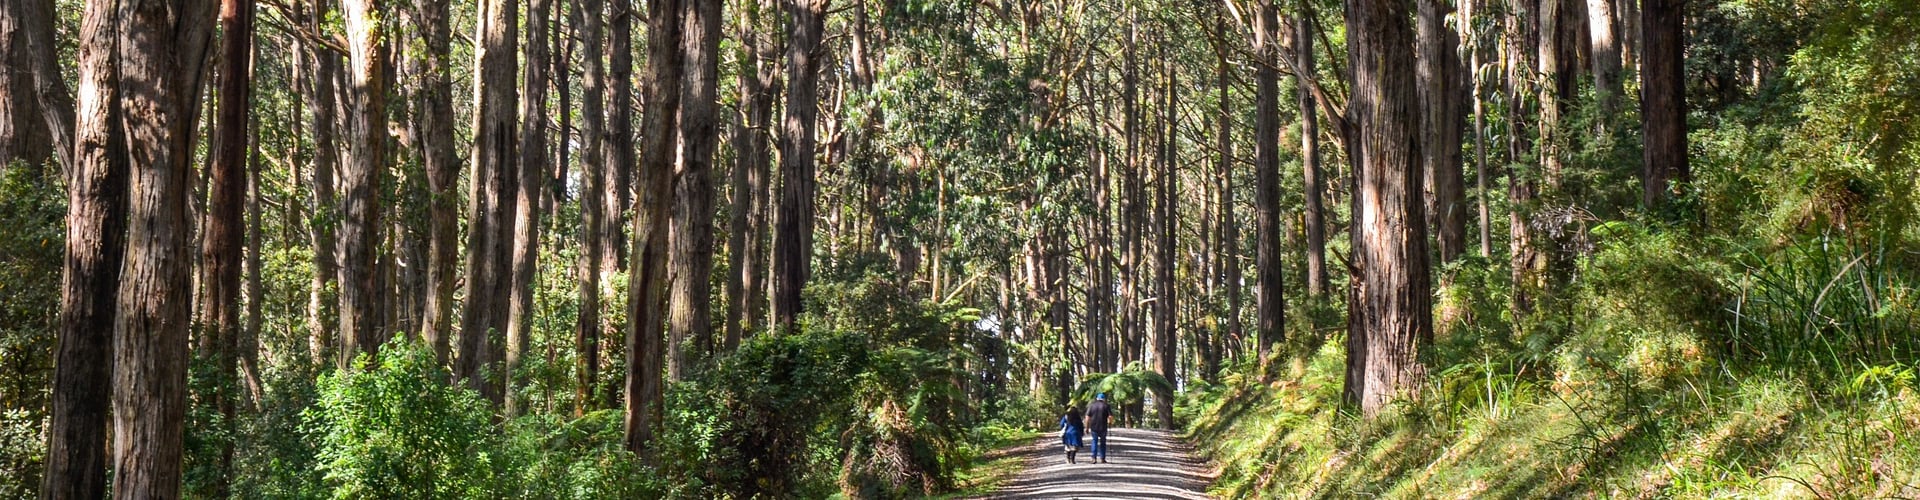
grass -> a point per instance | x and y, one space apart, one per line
993 462
1711 434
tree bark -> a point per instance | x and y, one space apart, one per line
1663 104
361 301
691 254
24 133
1603 34
225 230
647 301
433 126
1391 323
587 22
1439 90
1165 341
747 227
494 188
35 43
323 297
1271 314
96 245
1229 232
793 221
158 51
1316 187
618 152
533 173
1525 260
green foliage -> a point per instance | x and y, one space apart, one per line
1130 385
32 249
395 428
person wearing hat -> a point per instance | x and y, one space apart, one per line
1097 414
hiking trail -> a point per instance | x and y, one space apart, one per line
1142 463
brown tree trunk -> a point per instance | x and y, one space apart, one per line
691 256
1663 104
1165 355
323 297
157 95
96 245
249 344
23 126
1604 35
793 221
1525 260
1439 89
494 188
1271 314
647 301
33 51
1472 38
746 229
1391 322
1310 153
618 152
593 170
533 174
1229 232
433 126
361 301
225 230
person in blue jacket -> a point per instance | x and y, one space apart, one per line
1070 431
1097 415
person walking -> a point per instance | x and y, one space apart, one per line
1070 426
1097 415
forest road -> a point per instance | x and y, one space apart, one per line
1142 464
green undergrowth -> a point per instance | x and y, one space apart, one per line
1670 366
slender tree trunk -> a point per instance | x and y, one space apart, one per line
1392 318
533 173
751 158
1472 38
96 245
647 300
1271 316
361 315
691 254
1165 342
433 126
322 301
1439 90
618 152
249 344
1603 33
34 19
1522 186
225 230
793 221
157 93
1229 259
493 189
1310 153
1663 104
593 169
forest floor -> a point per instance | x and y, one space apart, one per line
1143 463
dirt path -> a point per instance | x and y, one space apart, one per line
1143 463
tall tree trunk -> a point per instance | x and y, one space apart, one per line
793 221
1524 259
1439 90
1663 103
225 230
533 174
618 152
249 344
1165 341
24 133
34 19
1603 34
691 256
745 245
361 315
159 75
1271 314
493 191
96 244
1472 37
1310 152
323 297
1392 319
1229 231
433 125
593 210
647 301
